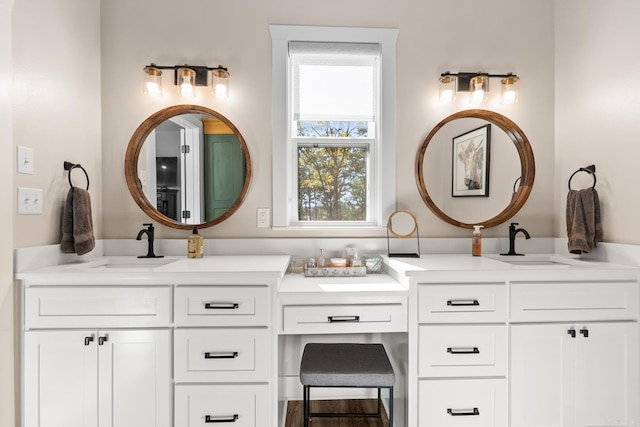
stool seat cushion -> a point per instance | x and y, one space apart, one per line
346 365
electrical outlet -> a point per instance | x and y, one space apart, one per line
25 160
263 218
29 201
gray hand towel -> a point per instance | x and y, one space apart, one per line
77 223
584 225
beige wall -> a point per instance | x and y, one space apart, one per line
56 106
434 36
50 102
598 108
6 212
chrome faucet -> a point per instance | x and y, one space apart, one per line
513 231
149 231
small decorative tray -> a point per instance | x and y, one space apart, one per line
335 272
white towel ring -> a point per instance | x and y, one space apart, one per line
68 166
591 169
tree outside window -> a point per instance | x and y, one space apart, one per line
332 178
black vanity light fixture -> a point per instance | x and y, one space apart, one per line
477 84
186 78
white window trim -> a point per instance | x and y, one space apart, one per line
282 169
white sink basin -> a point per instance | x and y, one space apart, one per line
539 261
129 262
533 262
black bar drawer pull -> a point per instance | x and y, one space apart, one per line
462 302
221 419
88 340
585 332
463 350
333 319
225 355
571 332
221 305
462 412
102 340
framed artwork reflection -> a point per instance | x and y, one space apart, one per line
470 172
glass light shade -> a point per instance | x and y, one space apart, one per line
186 81
447 89
152 81
510 89
220 82
479 87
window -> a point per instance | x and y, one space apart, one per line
334 88
334 123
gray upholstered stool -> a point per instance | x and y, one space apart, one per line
346 365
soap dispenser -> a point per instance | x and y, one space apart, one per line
321 259
195 245
476 241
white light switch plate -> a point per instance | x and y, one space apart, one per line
25 160
29 201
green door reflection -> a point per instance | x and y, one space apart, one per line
224 167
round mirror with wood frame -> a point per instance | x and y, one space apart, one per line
527 167
135 148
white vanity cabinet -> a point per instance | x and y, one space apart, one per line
458 350
223 354
110 342
492 344
577 364
82 369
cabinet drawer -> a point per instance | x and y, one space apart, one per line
575 301
222 305
97 307
237 405
456 351
343 318
461 403
462 303
221 355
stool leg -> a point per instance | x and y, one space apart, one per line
305 405
390 406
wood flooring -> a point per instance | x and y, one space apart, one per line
295 413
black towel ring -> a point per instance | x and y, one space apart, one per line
591 169
68 166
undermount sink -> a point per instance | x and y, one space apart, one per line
532 262
128 263
539 260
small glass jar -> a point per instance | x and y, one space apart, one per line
356 261
311 263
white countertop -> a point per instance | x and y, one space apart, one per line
113 269
210 269
537 266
